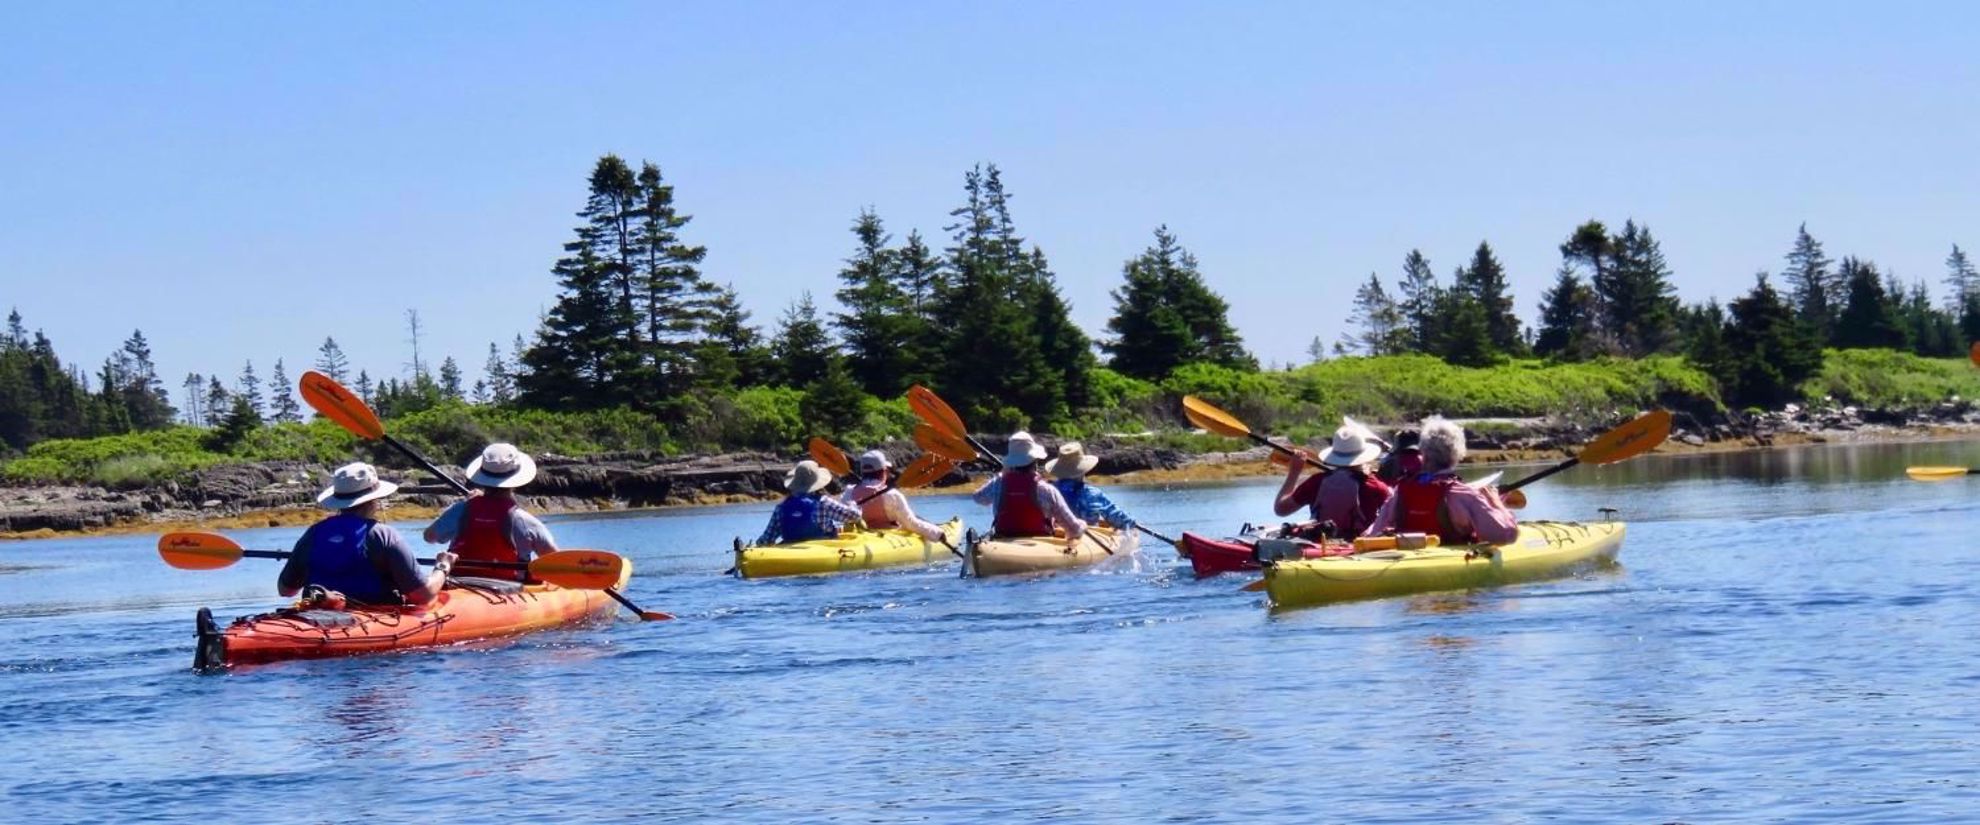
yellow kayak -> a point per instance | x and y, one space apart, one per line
1544 549
852 550
990 556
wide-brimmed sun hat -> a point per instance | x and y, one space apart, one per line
1023 450
1072 461
1353 445
354 484
806 477
500 466
873 461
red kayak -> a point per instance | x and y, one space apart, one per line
1210 556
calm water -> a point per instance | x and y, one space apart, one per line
1790 638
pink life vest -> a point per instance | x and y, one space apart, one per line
1018 513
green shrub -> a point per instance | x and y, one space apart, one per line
1883 378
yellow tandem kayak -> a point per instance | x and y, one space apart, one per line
992 556
852 550
1544 549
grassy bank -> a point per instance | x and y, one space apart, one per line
1302 403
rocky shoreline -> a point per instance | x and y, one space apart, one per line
278 493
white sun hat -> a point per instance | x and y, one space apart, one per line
806 477
1072 462
501 465
1353 445
354 484
1023 450
874 461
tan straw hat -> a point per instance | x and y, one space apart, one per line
1072 461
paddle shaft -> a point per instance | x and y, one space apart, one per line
1507 488
415 456
1155 534
283 554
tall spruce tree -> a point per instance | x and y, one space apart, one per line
1568 319
1704 330
994 368
1639 305
283 407
249 386
1419 298
147 403
1813 287
450 380
832 403
801 346
1064 345
1933 333
1166 316
673 301
1772 350
1384 331
1463 332
195 409
734 354
1962 281
1870 316
585 355
880 327
218 401
1484 281
500 384
330 360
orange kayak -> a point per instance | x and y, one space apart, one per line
474 611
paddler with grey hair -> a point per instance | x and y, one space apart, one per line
355 556
1068 470
490 525
1021 503
806 513
1434 501
883 507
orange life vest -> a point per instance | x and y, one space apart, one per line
485 537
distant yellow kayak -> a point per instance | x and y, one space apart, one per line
988 556
852 550
1544 549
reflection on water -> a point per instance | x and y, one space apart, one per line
1789 641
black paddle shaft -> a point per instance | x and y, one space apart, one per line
283 554
1507 488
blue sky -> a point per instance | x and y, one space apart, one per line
240 180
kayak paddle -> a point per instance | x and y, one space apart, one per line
1938 473
341 405
924 470
1207 415
575 569
1635 437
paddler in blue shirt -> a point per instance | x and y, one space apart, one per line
351 556
1068 470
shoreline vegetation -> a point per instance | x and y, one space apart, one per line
646 384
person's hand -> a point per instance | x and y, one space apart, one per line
475 492
444 562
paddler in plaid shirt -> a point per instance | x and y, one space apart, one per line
807 514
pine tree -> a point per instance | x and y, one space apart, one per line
879 325
1969 318
1962 281
1772 350
1419 298
586 353
1063 344
1166 316
994 368
241 419
500 386
1463 333
285 408
415 332
733 355
364 388
673 301
450 379
1933 333
1383 329
218 402
195 410
1568 314
1485 282
1704 330
1870 317
1812 286
330 360
249 388
832 403
143 396
479 393
801 347
1639 305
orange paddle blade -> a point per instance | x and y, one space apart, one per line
943 444
1937 473
333 401
1253 587
198 551
1514 499
830 457
582 569
1206 415
932 409
924 470
1630 440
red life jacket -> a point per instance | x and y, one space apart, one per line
1420 507
485 537
1018 513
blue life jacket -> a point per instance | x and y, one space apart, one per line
338 561
797 519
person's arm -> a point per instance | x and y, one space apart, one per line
1384 517
295 571
529 534
903 515
447 527
1098 502
839 512
1483 513
774 532
986 495
1292 494
1054 505
390 552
